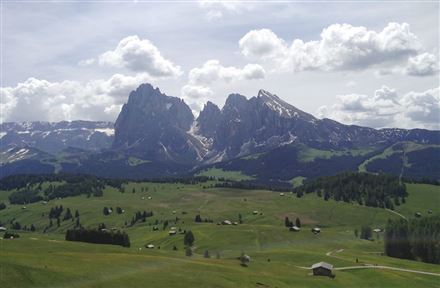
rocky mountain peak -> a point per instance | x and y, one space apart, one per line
154 125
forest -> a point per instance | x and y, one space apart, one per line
416 239
367 189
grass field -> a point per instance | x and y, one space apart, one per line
46 260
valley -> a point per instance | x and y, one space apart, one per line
38 259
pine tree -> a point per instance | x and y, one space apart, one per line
206 254
298 222
287 222
189 239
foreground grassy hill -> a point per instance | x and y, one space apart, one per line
278 257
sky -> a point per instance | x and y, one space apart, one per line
372 63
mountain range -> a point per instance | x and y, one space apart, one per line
262 137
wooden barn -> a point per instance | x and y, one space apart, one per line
322 269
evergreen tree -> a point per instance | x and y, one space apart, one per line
189 239
206 254
298 222
67 215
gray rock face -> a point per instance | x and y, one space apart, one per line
208 120
153 126
265 122
54 137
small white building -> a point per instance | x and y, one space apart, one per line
294 228
316 230
281 194
150 246
226 222
2 229
255 212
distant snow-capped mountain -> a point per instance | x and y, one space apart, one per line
54 137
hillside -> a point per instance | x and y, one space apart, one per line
263 236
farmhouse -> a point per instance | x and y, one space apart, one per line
226 222
322 269
255 212
294 228
2 228
150 246
377 230
172 232
281 194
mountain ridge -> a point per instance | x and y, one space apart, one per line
161 130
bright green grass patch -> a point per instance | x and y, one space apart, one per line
421 198
253 156
220 173
400 147
307 154
297 181
133 161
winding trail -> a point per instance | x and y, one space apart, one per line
378 267
387 267
370 266
397 213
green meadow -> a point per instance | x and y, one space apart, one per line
279 258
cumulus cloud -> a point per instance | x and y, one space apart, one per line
216 9
196 96
385 108
41 100
424 64
340 47
212 71
138 55
196 92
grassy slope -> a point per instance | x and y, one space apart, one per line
405 147
220 173
43 260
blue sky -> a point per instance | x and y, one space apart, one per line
371 63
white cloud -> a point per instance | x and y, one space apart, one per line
263 43
340 47
218 8
212 71
387 109
424 64
139 56
423 107
196 92
87 62
41 100
196 96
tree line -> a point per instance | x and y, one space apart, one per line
416 239
367 189
98 237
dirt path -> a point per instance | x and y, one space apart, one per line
387 267
370 266
397 213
